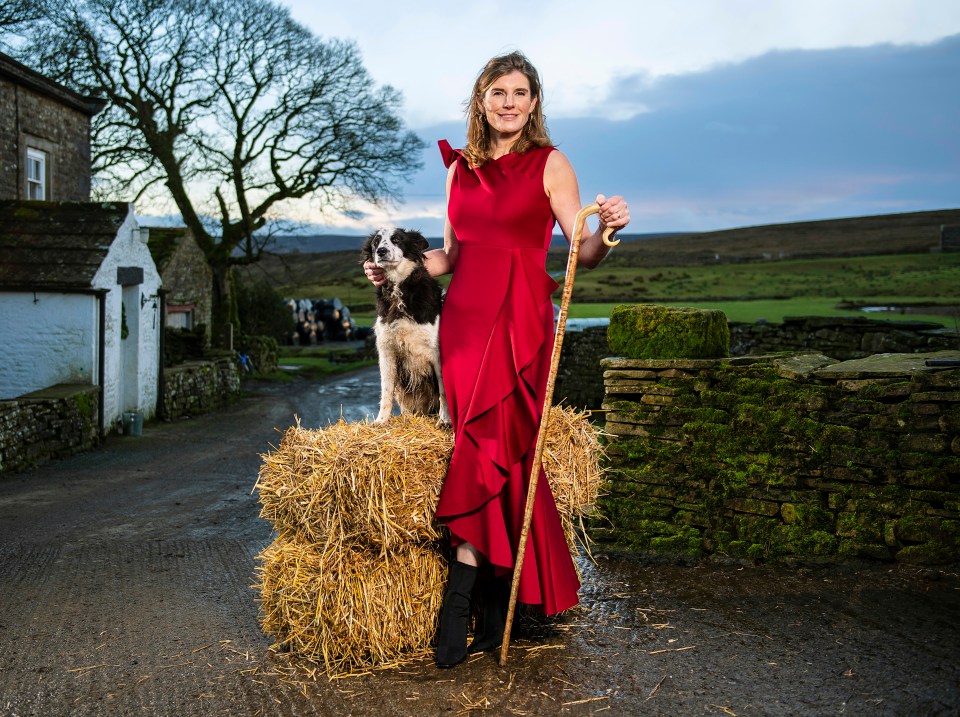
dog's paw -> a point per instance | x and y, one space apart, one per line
443 421
444 414
381 418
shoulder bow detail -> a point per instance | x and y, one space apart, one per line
449 154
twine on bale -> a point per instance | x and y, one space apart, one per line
355 577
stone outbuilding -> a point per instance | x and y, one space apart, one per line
79 304
187 277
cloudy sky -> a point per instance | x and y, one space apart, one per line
704 114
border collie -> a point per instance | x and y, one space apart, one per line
407 325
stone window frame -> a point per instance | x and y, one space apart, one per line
32 143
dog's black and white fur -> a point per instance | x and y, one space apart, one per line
407 325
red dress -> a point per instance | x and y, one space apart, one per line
496 338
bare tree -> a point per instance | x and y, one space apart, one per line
230 107
15 13
16 17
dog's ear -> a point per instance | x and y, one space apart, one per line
417 240
366 253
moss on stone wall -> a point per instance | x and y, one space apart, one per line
51 423
200 387
757 460
648 331
263 350
86 403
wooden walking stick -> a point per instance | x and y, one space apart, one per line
545 418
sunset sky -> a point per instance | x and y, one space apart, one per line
704 114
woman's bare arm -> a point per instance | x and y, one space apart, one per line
560 184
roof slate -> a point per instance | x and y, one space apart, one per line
56 245
163 243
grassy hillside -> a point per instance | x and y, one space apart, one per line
901 275
806 268
912 232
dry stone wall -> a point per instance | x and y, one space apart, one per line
61 420
580 377
198 387
841 338
43 425
775 457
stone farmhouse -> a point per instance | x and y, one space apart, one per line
80 301
44 137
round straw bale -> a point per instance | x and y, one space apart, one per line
350 608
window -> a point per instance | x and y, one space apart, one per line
36 174
180 316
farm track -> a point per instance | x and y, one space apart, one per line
125 577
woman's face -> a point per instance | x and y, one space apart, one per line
508 102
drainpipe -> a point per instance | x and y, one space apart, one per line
101 357
21 150
161 379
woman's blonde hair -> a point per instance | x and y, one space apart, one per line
479 148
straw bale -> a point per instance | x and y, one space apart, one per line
572 461
378 484
357 482
349 608
355 577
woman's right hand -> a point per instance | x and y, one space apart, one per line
374 273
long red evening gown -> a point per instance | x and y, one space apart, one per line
496 338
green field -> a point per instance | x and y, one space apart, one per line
317 362
932 276
774 290
923 287
775 310
825 268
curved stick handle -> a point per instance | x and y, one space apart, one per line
607 233
586 212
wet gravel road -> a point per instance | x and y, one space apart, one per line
125 577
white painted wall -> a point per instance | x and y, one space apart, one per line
49 338
131 364
46 339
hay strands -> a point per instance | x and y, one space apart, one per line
355 576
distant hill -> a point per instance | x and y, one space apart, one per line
315 243
854 236
323 243
310 261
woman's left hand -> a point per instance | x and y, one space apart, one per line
374 273
614 212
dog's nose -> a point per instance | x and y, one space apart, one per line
382 251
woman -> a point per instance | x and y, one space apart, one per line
505 191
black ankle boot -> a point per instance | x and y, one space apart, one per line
495 597
455 614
